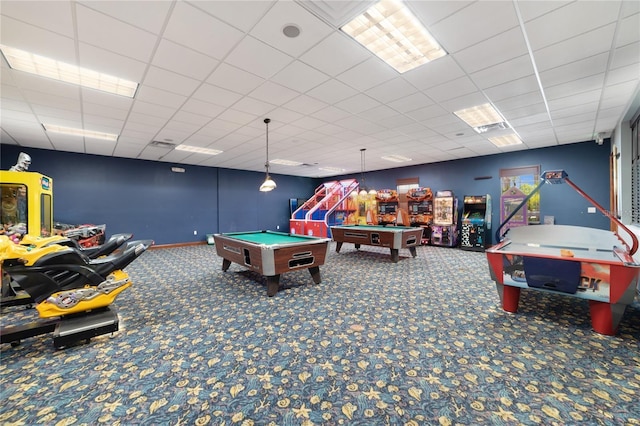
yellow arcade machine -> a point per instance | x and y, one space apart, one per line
27 204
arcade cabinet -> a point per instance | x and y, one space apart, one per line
27 203
420 204
444 231
387 206
475 231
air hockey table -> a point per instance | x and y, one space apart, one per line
580 262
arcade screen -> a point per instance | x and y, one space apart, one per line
423 207
443 211
387 208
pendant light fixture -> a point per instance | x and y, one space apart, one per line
268 184
363 187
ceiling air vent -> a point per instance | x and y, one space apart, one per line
161 144
491 127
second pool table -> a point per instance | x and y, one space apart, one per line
394 237
271 253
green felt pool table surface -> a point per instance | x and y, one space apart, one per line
269 237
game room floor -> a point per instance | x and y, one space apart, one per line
422 341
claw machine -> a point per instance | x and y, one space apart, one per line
444 231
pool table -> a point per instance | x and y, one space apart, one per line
394 237
272 253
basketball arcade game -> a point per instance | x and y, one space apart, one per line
585 263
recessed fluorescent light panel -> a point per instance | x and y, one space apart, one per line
285 162
332 169
394 34
46 67
80 132
396 158
506 140
482 118
198 150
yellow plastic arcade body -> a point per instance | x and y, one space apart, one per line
27 203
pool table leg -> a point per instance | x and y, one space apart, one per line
225 264
338 247
395 255
413 252
273 284
315 274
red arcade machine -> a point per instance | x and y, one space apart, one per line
444 231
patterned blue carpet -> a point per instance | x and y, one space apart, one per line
419 342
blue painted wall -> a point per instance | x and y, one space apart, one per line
586 163
147 199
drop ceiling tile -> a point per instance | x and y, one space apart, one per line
430 12
170 81
254 107
155 110
578 85
148 15
101 60
305 104
434 73
238 117
498 16
411 103
503 47
591 65
332 91
576 48
36 40
240 14
216 95
284 13
368 74
511 70
182 60
379 112
300 77
159 97
335 54
391 90
626 55
203 108
203 33
273 93
574 100
357 104
51 16
114 35
234 79
593 14
452 89
258 58
512 88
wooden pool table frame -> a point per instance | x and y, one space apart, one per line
273 259
393 237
